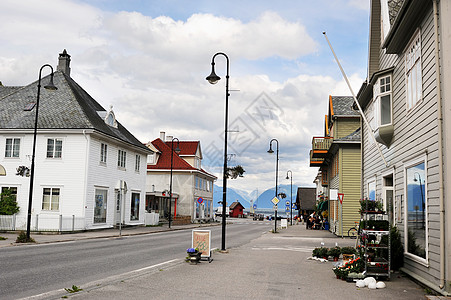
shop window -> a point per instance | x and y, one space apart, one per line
134 207
100 208
416 206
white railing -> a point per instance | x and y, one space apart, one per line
58 223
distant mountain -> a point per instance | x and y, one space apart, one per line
263 201
232 196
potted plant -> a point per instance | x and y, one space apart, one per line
193 255
348 253
372 206
335 252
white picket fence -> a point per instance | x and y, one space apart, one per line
57 223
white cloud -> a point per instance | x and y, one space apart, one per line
152 70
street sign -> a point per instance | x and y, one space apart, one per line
340 197
287 208
200 200
274 207
255 206
287 203
275 200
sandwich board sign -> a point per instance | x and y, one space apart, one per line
201 239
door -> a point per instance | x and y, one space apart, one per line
117 214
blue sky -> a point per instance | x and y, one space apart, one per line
149 59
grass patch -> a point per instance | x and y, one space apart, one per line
22 238
2 238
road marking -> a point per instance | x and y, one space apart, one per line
304 249
102 282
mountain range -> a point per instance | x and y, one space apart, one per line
263 201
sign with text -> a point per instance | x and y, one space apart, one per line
201 239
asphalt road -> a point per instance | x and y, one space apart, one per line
35 269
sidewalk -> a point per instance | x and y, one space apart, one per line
94 234
274 266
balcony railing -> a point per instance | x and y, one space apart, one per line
315 162
320 146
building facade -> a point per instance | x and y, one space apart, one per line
337 154
90 172
405 101
192 187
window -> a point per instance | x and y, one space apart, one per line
54 148
414 86
197 183
101 206
382 91
416 215
103 152
372 190
51 199
121 155
12 190
12 148
151 158
137 162
134 211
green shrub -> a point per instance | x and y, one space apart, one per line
22 238
8 203
348 250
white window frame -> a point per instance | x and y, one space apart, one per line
382 88
14 150
137 162
136 207
54 152
121 158
103 153
104 193
413 72
51 203
407 165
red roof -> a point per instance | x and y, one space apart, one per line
178 163
186 147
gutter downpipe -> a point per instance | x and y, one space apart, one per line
440 149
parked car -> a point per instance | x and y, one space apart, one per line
258 217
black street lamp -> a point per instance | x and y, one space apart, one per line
277 174
170 183
422 197
50 86
213 79
291 199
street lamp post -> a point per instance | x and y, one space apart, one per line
213 79
170 183
291 199
50 86
277 174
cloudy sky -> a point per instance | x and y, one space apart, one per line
149 59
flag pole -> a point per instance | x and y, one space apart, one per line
356 102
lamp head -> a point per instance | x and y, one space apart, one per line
177 150
51 86
213 78
287 177
270 149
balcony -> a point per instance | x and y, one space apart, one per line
315 162
320 146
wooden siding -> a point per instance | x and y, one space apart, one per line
345 126
415 134
350 185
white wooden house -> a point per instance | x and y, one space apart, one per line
90 172
405 99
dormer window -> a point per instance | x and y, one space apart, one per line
383 109
110 119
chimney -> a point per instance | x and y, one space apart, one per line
162 135
169 138
64 63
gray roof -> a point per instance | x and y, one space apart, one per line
394 6
69 107
306 197
342 106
